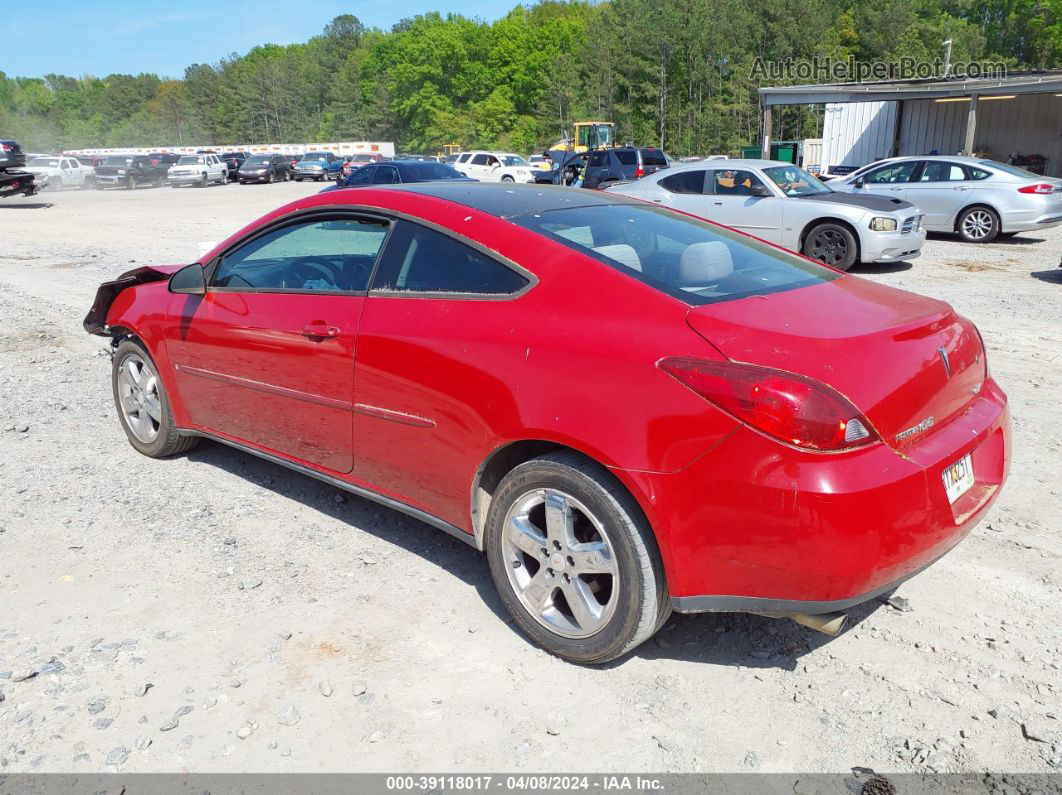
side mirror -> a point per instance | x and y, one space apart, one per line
859 183
759 190
189 279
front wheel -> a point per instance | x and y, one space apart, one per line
832 244
978 225
269 177
507 178
142 403
203 181
574 560
130 183
58 184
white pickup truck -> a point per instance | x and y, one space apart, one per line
198 170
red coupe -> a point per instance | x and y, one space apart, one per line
630 410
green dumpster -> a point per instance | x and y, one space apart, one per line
751 152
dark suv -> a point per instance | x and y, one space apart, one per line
264 168
605 166
11 154
233 161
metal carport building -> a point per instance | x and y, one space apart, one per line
989 117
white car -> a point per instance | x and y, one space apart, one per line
198 170
59 172
784 204
495 167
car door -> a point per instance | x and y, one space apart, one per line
439 312
72 173
596 166
890 180
733 202
683 190
266 356
939 189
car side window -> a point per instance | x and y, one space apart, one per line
734 182
937 171
597 159
422 260
897 172
361 176
333 255
385 175
977 173
685 181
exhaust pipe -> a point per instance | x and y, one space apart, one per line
828 623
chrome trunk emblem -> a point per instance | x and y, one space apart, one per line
944 358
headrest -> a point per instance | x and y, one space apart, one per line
623 254
705 263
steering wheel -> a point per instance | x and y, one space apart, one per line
306 269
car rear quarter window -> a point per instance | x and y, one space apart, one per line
423 260
323 255
627 157
688 258
653 157
684 181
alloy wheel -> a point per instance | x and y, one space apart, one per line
977 224
829 246
138 391
560 563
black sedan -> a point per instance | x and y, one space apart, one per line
397 172
265 168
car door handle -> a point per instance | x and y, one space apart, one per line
897 188
319 330
960 188
718 204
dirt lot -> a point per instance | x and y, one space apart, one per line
219 613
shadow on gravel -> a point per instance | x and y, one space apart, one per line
364 515
715 638
29 206
1017 240
880 267
1053 276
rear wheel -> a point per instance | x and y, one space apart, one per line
142 403
574 560
978 225
832 244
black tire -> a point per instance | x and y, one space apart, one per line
57 185
168 440
130 183
507 178
641 604
269 178
977 224
833 245
298 179
203 180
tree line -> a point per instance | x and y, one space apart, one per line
679 74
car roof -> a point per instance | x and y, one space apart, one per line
507 200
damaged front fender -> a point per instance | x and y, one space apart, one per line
96 319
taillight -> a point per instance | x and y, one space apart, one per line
639 170
8 147
1040 187
791 408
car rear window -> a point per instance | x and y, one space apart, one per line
690 259
653 157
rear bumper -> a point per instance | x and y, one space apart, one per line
1028 222
756 526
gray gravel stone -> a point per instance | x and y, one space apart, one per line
118 756
102 723
142 743
287 715
172 723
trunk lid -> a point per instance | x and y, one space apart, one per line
909 363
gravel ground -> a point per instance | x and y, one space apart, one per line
219 613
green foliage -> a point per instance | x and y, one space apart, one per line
675 73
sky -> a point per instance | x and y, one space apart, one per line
101 37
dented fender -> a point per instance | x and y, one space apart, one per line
96 320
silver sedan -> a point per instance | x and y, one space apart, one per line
783 204
979 199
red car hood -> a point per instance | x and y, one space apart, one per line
878 346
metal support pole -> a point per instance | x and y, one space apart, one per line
766 154
971 125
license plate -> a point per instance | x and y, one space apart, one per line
959 478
